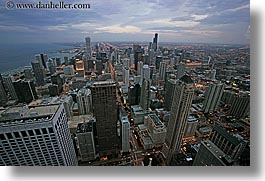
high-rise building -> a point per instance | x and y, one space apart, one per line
140 68
210 155
213 95
145 94
28 72
57 80
125 134
169 90
106 113
79 67
85 133
84 101
88 46
137 57
229 144
180 109
156 129
68 70
155 41
42 58
50 66
9 87
39 72
41 137
3 95
134 94
25 91
126 77
240 105
162 71
145 74
181 68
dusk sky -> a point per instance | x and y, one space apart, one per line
203 21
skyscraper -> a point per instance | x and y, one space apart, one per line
162 71
240 105
42 58
213 95
41 137
3 95
145 94
145 73
155 41
9 87
181 67
25 91
84 101
170 87
126 77
88 46
39 72
125 134
105 111
182 100
85 133
137 57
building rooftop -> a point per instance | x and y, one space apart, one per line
185 78
84 127
227 135
155 120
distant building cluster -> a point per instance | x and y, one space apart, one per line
129 104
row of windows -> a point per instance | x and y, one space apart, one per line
26 133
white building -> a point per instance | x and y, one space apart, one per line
125 134
40 138
84 101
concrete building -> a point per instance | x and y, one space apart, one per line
145 95
240 105
213 95
9 87
182 100
228 143
85 134
69 70
106 114
162 71
125 134
88 46
191 126
38 138
39 72
156 129
181 68
25 91
210 155
84 101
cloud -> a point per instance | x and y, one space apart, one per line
118 29
171 23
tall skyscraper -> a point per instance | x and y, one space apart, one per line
125 134
240 105
39 72
9 87
25 91
210 155
126 77
84 101
41 137
28 72
170 87
42 58
137 57
88 46
182 100
145 94
213 95
105 111
162 71
3 95
155 41
228 143
145 73
85 133
181 68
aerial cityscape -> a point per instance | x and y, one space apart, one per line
151 100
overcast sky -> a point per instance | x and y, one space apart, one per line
205 21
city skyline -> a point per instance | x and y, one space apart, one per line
176 21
